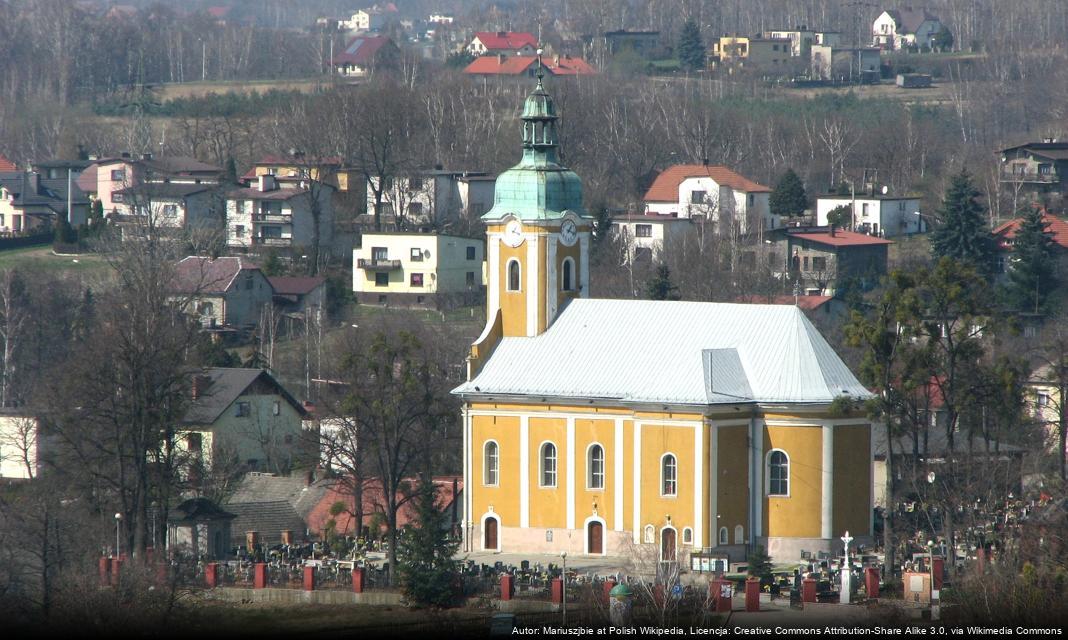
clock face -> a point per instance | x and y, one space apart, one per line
513 234
568 232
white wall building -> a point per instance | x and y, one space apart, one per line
901 28
275 213
435 197
645 235
716 193
418 269
881 215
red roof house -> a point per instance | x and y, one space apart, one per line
7 165
362 53
666 186
1058 228
502 65
503 42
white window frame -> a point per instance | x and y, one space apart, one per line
674 480
767 474
589 467
649 535
541 465
567 283
687 535
508 274
496 468
724 536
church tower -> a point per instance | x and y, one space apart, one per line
538 233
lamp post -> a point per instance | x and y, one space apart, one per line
930 569
118 523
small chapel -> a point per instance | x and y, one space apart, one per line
599 426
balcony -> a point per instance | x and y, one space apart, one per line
1041 178
260 241
284 218
378 265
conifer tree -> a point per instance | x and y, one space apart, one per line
788 198
425 559
660 286
963 233
691 47
1031 271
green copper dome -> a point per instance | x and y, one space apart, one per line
538 188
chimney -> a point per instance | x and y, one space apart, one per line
502 34
833 227
501 57
200 385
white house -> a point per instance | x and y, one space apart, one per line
221 292
435 197
734 203
418 269
644 236
802 38
169 205
505 43
371 19
881 215
901 28
279 213
852 64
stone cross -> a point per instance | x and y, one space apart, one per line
847 572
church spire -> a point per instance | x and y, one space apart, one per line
539 123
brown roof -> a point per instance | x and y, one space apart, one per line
286 286
807 303
909 20
841 238
1056 227
200 274
256 194
666 186
517 65
361 50
7 165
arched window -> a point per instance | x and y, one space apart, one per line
650 534
723 535
669 473
595 467
567 279
739 535
778 473
491 462
548 465
687 536
513 275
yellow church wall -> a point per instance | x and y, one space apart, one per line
513 303
732 484
852 474
796 515
548 505
504 498
658 440
587 432
628 477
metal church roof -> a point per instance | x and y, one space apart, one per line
666 352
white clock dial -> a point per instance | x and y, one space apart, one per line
568 232
513 234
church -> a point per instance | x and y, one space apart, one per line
601 426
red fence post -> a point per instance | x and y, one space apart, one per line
357 579
259 577
116 570
211 575
752 594
723 595
608 586
938 567
808 590
104 567
506 586
871 581
558 590
309 578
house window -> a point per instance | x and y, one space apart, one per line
778 473
382 300
806 263
118 175
643 231
416 280
595 467
471 251
194 442
276 408
739 534
1045 169
864 210
244 410
566 281
415 184
548 465
669 471
416 255
751 200
470 278
491 461
170 210
513 275
697 197
415 208
381 279
239 231
643 254
116 197
379 254
819 264
1043 399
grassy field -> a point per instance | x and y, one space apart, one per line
195 89
42 259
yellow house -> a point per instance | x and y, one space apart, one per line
601 426
751 51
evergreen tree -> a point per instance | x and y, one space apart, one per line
1031 272
760 566
839 216
660 287
691 47
425 561
943 40
963 233
789 197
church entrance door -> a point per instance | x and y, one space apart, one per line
490 535
667 545
595 542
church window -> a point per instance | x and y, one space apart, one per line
739 534
567 280
778 473
650 534
669 471
513 275
491 462
595 467
548 465
687 536
723 535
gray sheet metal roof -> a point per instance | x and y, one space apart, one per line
693 353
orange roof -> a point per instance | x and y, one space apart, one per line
841 238
666 186
806 303
1054 225
498 40
7 165
518 65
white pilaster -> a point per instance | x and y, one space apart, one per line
827 507
551 284
524 471
571 455
756 474
637 467
584 264
493 280
713 484
698 483
617 484
533 277
467 525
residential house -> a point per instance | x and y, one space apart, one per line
363 54
7 166
646 236
816 307
877 214
116 174
299 296
274 509
905 28
186 206
503 43
731 201
280 213
802 38
1046 402
331 170
223 293
845 64
59 169
1005 234
823 259
31 203
1036 168
20 453
434 197
372 18
418 270
200 528
440 18
527 66
243 418
752 52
